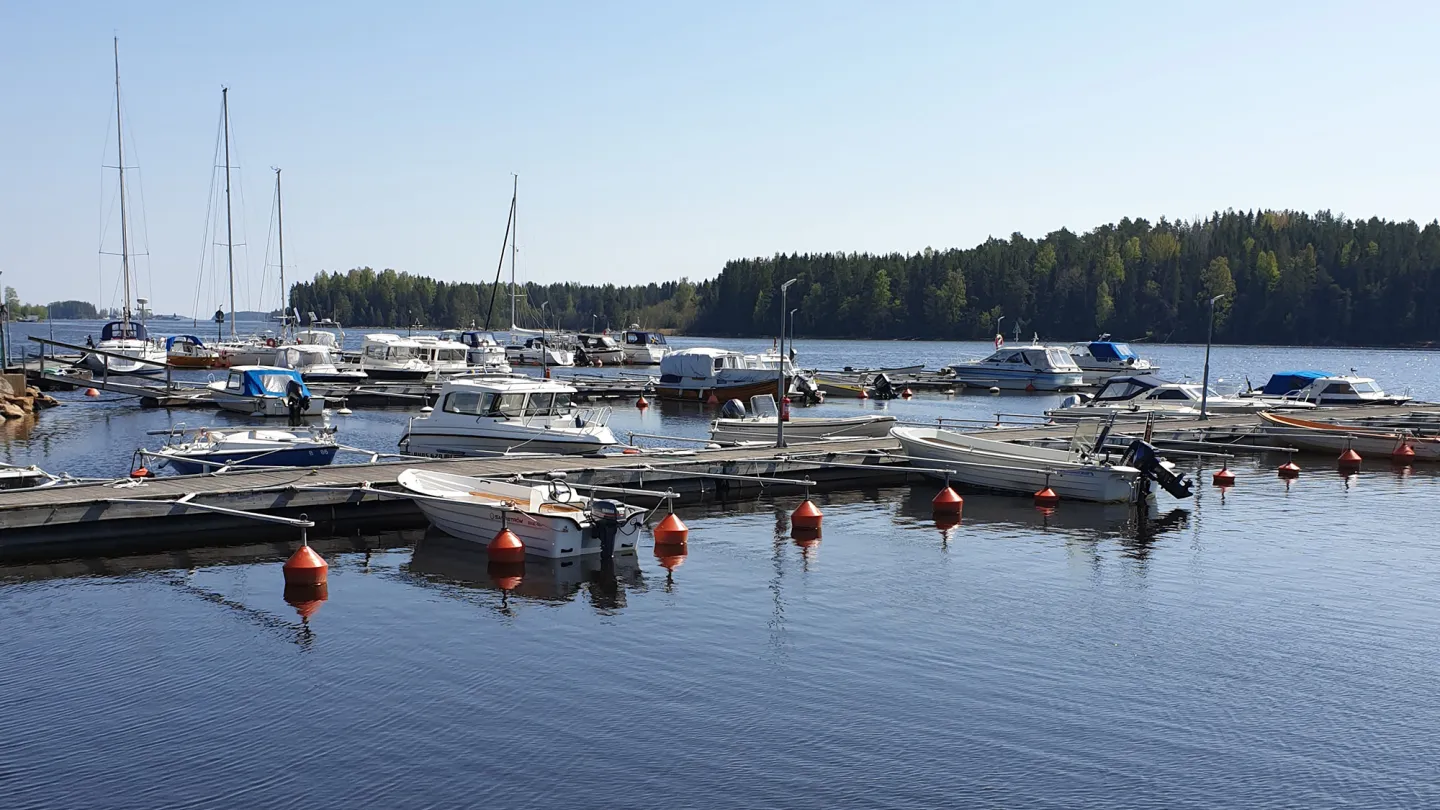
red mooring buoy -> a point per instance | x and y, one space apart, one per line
864 394
1046 497
1224 478
1349 460
305 567
947 502
712 399
671 531
1404 454
641 403
907 393
806 516
506 547
1289 470
91 392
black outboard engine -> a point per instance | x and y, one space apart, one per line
607 516
807 389
884 389
1144 457
732 409
296 402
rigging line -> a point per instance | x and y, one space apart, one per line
504 243
269 238
208 231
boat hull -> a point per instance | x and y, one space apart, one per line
191 361
400 374
722 392
264 406
1021 475
801 429
294 457
1017 380
550 537
440 443
1325 438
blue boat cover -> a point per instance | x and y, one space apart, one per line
1105 350
120 330
173 339
270 382
1283 382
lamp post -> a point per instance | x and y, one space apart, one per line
780 386
544 344
1205 382
592 323
792 330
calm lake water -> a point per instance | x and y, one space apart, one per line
1272 646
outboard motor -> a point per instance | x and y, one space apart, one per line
732 409
1074 401
884 389
1144 457
296 402
807 389
606 516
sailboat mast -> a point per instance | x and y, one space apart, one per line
514 246
280 228
229 226
120 166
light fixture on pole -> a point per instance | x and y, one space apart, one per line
792 330
1209 337
780 386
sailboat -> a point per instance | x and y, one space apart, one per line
126 341
528 347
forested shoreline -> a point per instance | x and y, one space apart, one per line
1286 277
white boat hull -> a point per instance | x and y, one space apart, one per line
645 355
263 406
423 442
1006 380
1025 472
800 428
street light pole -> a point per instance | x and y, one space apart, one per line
1209 337
780 386
792 329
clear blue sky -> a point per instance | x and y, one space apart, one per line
655 141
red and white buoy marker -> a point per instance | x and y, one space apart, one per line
1289 470
907 393
641 403
1046 497
1223 477
864 394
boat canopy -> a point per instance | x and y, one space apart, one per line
270 381
124 330
1284 382
1109 350
315 337
301 356
1128 387
639 337
699 362
173 339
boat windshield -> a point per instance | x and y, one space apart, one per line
469 403
548 404
1059 358
508 405
1365 387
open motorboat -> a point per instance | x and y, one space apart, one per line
541 350
1024 368
1102 359
137 353
598 350
316 364
643 347
551 519
695 374
1323 388
385 356
760 424
1367 441
1146 393
485 414
189 351
265 391
1076 473
484 353
208 449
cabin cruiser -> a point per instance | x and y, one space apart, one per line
189 351
320 337
444 356
643 347
550 518
484 352
1102 359
760 424
390 357
251 351
316 364
597 349
1323 388
697 374
539 351
139 353
265 391
208 449
481 414
1023 368
1147 393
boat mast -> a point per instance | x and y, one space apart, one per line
229 226
514 248
280 228
120 166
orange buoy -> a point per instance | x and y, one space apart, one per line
1349 460
1404 454
507 576
671 531
306 599
91 392
712 399
641 403
506 547
907 393
1046 497
1289 470
864 394
947 502
806 516
305 567
141 472
630 451
1030 387
1224 478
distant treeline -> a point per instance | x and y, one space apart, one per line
1286 277
72 310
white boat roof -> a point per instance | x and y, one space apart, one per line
705 351
390 340
442 342
508 384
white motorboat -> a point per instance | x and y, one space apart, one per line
256 350
1330 438
1102 359
1323 388
552 520
1076 473
1149 394
1024 368
208 449
643 347
484 353
759 424
316 364
444 356
485 415
539 350
695 374
598 349
265 391
137 352
385 356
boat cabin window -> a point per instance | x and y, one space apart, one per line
657 339
1017 357
1338 388
634 339
1365 387
1116 390
563 403
539 404
1059 358
450 355
1172 393
375 352
470 403
507 405
400 353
